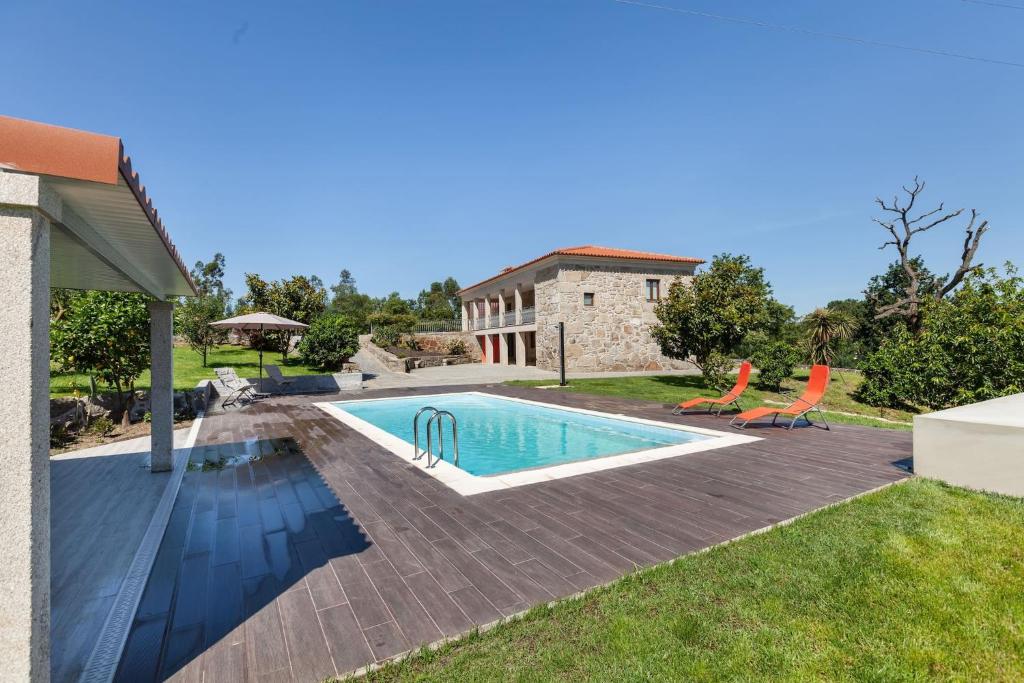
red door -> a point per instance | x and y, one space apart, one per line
495 349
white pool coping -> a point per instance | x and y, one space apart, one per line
467 484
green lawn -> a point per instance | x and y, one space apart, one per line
918 581
677 388
189 370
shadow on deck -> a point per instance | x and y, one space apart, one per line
254 531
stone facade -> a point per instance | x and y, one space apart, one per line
612 334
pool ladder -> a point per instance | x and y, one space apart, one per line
438 417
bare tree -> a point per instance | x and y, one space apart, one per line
903 226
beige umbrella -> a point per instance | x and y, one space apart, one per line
258 321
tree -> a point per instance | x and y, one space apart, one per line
825 328
440 302
193 315
104 334
298 298
330 341
349 302
192 319
394 304
902 225
209 278
970 348
714 312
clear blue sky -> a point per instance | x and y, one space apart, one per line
407 140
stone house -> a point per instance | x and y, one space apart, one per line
605 297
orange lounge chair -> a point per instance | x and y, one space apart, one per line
732 397
808 401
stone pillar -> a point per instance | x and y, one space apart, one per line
487 311
25 445
503 348
501 310
465 316
519 307
521 348
162 385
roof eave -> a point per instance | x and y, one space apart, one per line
556 255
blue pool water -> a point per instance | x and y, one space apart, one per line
498 435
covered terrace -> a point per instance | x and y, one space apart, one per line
73 214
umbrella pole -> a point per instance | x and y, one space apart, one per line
262 340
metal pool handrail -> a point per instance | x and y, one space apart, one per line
416 455
439 416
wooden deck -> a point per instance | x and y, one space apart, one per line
330 553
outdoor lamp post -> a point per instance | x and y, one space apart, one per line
561 354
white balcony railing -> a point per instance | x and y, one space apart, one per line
528 316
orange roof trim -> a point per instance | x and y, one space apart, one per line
594 252
43 149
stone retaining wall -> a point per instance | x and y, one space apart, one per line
437 342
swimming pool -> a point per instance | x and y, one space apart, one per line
507 441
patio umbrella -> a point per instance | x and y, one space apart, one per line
258 321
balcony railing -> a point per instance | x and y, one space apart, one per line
507 319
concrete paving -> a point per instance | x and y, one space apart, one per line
103 500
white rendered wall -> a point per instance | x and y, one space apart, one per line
980 446
24 443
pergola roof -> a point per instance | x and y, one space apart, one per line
108 234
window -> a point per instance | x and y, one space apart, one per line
588 298
653 290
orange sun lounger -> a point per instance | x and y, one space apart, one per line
730 398
809 401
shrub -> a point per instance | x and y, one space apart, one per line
59 436
970 348
330 341
385 336
890 379
774 362
716 368
101 426
409 342
456 347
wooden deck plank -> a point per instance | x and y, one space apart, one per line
365 556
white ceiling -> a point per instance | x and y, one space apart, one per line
122 252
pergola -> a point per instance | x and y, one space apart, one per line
73 214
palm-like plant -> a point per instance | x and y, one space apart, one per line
826 327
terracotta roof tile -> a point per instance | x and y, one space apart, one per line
593 251
44 149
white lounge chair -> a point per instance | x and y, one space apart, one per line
238 388
274 373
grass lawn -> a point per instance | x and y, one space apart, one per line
677 388
918 581
189 370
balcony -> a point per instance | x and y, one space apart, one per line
498 320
